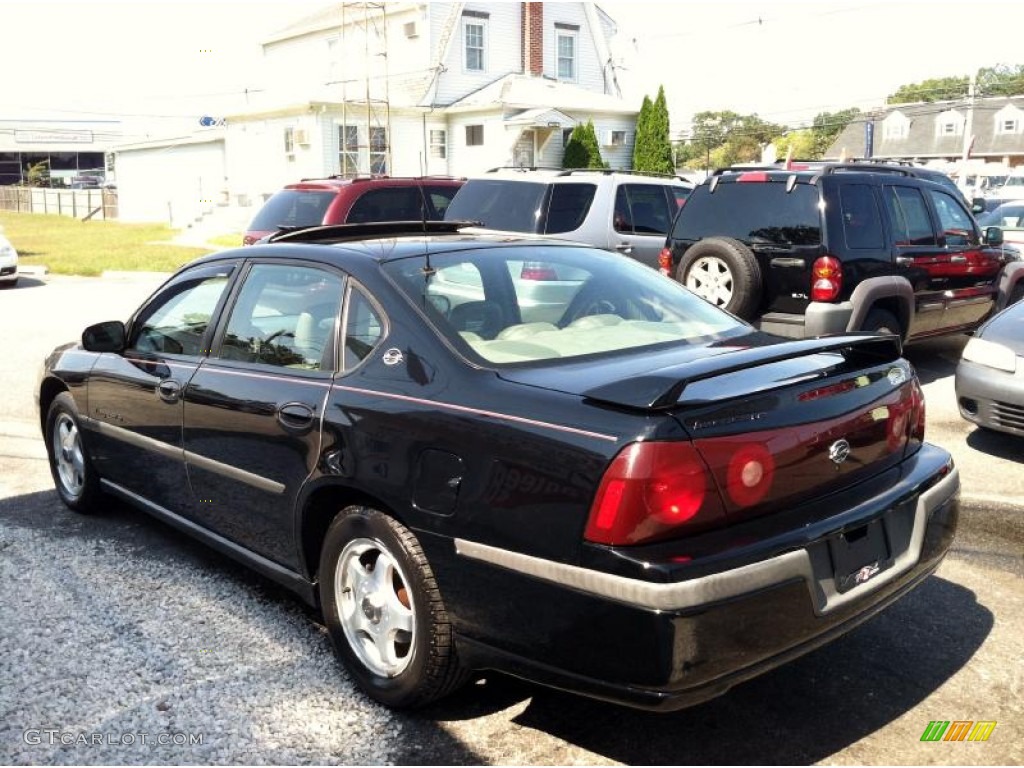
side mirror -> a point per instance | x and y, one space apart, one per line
104 337
978 205
993 236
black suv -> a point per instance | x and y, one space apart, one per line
840 247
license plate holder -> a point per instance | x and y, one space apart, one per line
859 554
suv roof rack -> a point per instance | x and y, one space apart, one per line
570 171
370 231
378 176
524 168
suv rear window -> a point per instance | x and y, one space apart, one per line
751 212
569 206
293 208
503 204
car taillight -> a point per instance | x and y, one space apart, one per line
917 413
665 261
535 270
650 491
826 279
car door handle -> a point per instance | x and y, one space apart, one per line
958 259
624 248
904 261
169 390
295 416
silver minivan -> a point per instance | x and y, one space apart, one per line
620 211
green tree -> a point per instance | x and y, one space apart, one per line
933 89
643 131
1001 80
652 149
583 151
826 127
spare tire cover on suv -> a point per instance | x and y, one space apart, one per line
724 272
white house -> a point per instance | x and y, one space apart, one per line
428 88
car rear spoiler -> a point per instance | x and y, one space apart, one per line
665 387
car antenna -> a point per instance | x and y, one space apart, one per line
428 269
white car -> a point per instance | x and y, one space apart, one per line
8 262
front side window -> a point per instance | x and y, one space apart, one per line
566 50
544 303
284 316
177 321
956 222
474 37
641 209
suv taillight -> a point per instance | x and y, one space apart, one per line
536 270
826 279
665 261
651 490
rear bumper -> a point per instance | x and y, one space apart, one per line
668 645
820 319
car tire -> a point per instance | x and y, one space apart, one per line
881 321
9 283
724 272
389 626
76 481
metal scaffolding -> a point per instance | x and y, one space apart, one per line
364 140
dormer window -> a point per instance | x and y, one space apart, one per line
949 123
897 129
1008 120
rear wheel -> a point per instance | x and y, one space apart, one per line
883 322
384 611
724 272
76 481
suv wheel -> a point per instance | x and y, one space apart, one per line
724 272
880 321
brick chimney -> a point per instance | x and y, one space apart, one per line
533 38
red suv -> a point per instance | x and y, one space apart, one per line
363 199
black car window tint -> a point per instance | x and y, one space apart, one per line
569 206
283 316
293 208
900 232
440 198
387 204
956 223
760 212
915 211
862 224
177 322
649 208
504 204
364 328
622 219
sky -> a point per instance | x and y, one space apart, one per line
783 60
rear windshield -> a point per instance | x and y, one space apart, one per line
531 303
752 212
504 204
292 208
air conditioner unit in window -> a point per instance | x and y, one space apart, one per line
302 136
411 30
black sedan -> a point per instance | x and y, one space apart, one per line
990 376
492 452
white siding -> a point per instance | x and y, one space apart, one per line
256 160
496 150
172 184
616 157
503 50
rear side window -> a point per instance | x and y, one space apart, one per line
752 212
862 224
569 206
387 204
293 208
909 213
440 198
504 204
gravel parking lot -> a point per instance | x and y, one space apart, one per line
122 641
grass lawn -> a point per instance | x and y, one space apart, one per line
233 240
72 247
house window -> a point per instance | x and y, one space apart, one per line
474 37
289 143
439 143
896 130
378 150
948 129
615 139
348 149
565 41
1008 126
474 135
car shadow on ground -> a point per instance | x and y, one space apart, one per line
138 536
936 358
26 282
999 444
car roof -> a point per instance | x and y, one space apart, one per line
335 183
554 175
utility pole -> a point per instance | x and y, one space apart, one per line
969 125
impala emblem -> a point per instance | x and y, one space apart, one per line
839 452
393 357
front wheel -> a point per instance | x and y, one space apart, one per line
76 481
384 611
